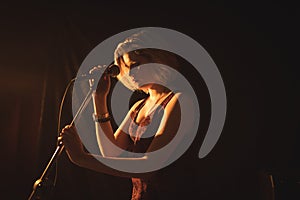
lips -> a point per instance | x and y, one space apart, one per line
134 79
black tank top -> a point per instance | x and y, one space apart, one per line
145 188
142 133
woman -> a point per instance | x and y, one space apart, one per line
151 123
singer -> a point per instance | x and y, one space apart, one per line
151 123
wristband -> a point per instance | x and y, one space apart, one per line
101 118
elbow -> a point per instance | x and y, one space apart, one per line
79 160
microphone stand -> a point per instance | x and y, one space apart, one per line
39 183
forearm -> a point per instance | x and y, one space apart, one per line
104 132
100 103
106 141
95 163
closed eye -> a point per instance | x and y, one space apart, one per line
133 65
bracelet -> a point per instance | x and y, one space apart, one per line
101 118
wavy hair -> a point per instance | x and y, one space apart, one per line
138 44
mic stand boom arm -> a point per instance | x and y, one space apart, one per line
39 183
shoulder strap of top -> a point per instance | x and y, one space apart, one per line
137 109
167 99
141 104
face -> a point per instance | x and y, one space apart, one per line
132 72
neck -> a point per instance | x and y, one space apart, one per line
157 93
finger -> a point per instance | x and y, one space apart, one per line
66 128
64 137
65 140
60 139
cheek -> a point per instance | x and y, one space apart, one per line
143 72
123 71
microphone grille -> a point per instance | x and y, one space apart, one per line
113 70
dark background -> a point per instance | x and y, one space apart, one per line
254 45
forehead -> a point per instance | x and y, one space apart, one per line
126 58
130 57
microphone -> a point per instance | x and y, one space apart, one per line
112 70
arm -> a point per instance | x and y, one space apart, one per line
111 144
166 131
77 155
96 163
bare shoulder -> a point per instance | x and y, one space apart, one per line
178 100
173 101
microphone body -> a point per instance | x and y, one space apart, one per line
112 70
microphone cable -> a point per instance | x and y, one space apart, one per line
59 124
114 71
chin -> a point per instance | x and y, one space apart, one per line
144 88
